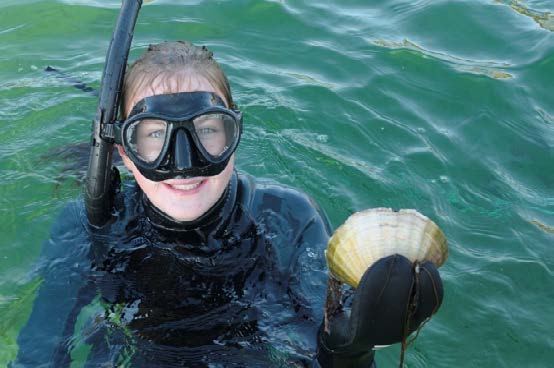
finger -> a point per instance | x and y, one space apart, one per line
430 293
380 302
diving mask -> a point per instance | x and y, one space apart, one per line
183 134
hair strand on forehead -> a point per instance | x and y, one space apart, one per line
169 64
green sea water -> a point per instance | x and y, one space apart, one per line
442 106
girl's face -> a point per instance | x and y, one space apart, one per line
181 199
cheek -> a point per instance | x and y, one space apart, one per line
221 180
126 160
228 171
148 186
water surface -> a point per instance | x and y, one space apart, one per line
442 106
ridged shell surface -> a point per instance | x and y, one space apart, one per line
369 235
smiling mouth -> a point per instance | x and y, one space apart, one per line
185 186
182 187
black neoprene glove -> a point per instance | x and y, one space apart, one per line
390 293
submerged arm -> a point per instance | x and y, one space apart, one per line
64 265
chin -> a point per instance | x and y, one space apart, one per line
187 214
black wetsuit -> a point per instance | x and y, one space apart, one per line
242 286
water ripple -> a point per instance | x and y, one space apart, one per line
544 19
444 106
491 69
544 227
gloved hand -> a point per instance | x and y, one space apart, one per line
390 293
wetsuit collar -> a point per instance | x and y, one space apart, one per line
210 221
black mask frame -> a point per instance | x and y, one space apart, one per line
182 155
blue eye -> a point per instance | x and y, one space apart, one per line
156 134
205 131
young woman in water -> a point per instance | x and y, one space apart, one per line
202 266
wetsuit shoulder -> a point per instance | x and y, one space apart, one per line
71 215
264 197
297 230
68 232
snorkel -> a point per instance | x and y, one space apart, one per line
103 179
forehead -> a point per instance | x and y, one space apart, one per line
175 83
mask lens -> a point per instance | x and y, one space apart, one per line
216 132
146 138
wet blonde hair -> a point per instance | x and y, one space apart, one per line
168 64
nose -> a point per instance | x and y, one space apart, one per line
183 151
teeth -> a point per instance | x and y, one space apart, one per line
185 186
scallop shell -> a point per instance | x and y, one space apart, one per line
369 235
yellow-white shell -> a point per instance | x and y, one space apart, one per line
369 235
